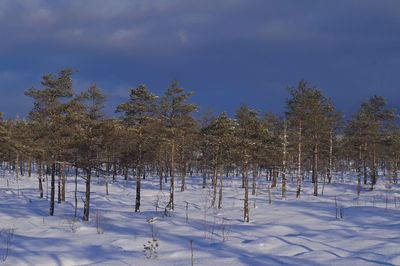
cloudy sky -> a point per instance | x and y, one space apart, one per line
227 52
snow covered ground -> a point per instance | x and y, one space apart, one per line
301 231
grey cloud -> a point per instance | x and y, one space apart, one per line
250 47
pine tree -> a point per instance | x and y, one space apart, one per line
248 136
366 132
89 140
139 114
218 143
176 119
49 112
313 117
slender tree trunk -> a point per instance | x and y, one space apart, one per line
220 191
365 171
365 163
30 167
204 178
330 158
274 177
284 160
52 188
59 185
299 158
76 191
246 215
21 167
17 174
243 181
63 181
114 171
315 169
86 207
126 173
161 178
214 184
172 178
254 183
184 170
138 187
40 172
374 173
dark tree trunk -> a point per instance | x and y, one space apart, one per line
126 173
161 178
274 177
63 181
246 195
59 185
214 184
52 188
30 168
184 170
220 192
254 185
86 206
40 180
76 191
204 179
172 187
138 184
114 171
365 172
315 169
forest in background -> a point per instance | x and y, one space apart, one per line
157 136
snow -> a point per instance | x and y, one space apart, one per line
294 231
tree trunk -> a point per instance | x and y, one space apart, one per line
114 171
59 185
365 163
52 188
138 184
274 177
21 167
214 184
246 215
161 178
220 191
17 174
374 173
30 167
40 180
284 160
172 187
329 172
126 173
315 169
254 183
63 181
365 171
299 147
86 207
204 178
183 186
76 191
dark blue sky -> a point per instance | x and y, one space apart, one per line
227 52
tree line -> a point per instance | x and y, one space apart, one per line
158 137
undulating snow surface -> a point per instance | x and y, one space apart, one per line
294 231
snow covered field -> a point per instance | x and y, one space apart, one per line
301 231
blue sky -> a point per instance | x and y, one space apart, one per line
227 52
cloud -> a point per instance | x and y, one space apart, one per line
215 47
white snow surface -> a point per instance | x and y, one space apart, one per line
289 231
